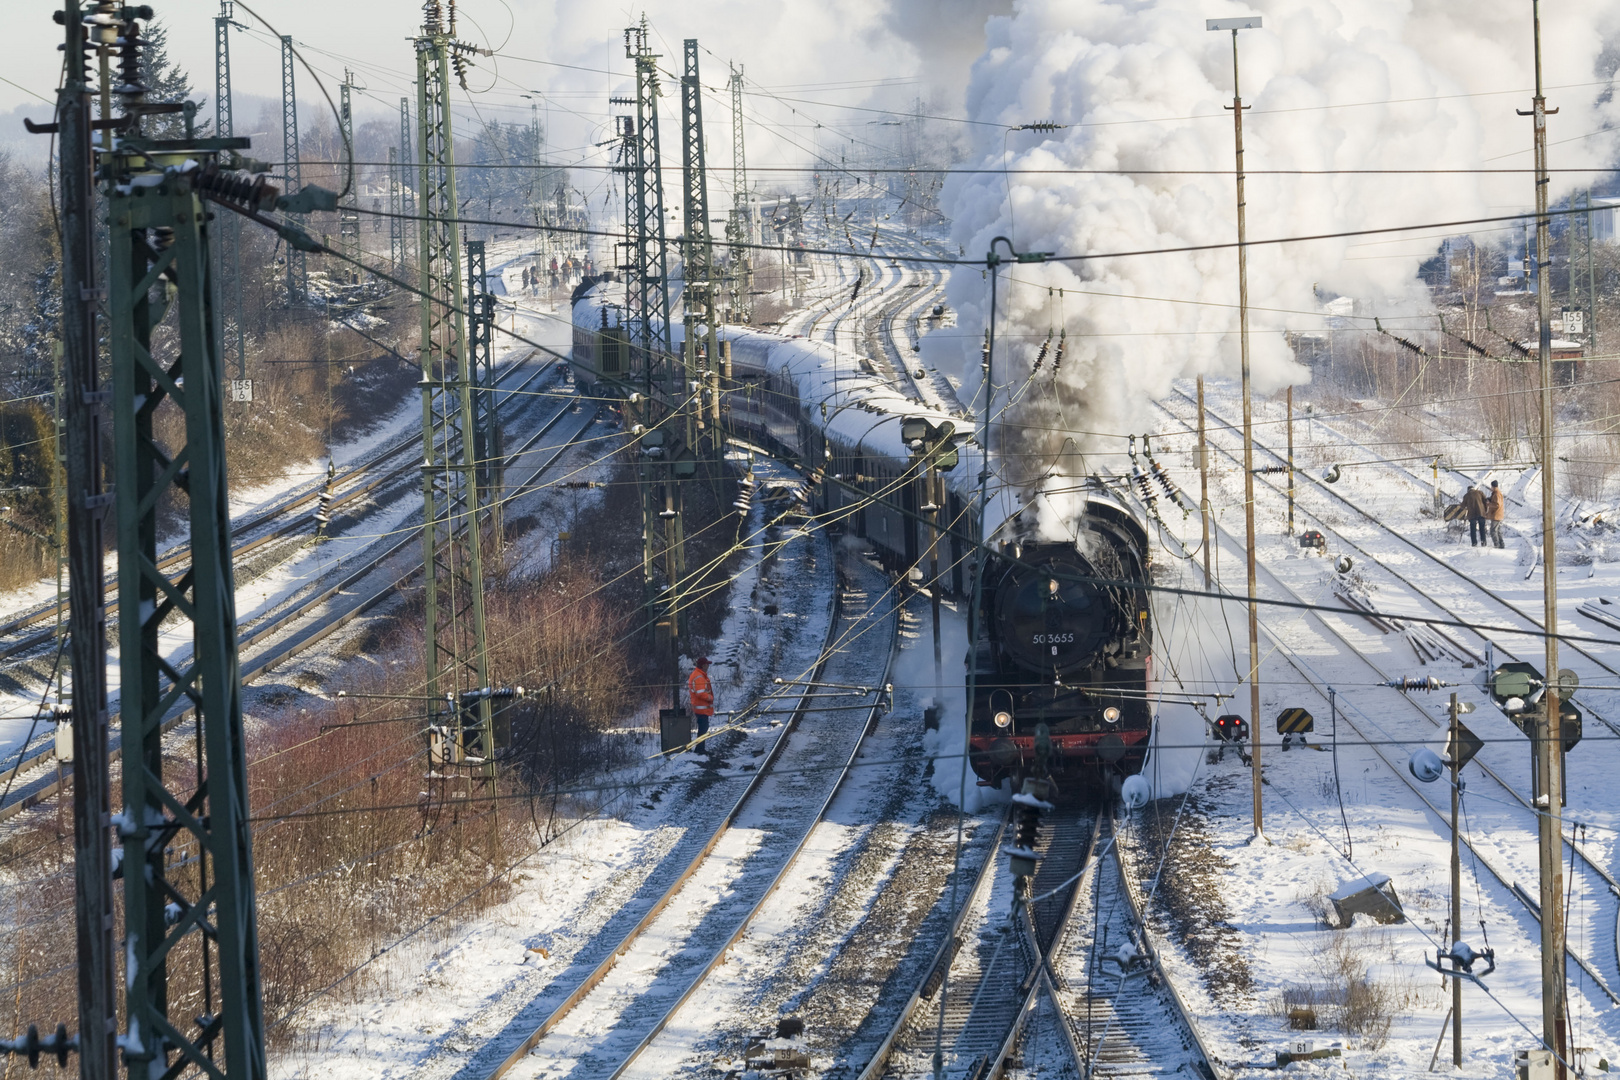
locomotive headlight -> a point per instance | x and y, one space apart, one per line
1004 719
1051 586
1111 714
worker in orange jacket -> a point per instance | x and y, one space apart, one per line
700 690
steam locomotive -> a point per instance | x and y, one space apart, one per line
1062 669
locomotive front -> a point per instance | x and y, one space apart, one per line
1064 662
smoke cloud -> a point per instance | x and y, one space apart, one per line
1143 91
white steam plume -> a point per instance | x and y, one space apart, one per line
1333 85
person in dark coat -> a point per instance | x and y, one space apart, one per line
1496 511
1473 504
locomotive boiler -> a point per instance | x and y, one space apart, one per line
1062 669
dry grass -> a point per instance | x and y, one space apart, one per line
355 847
310 387
1350 993
1189 896
23 560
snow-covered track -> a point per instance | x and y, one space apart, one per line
293 514
1514 613
1426 598
322 611
845 668
931 387
1120 1008
622 1002
1600 895
933 979
992 982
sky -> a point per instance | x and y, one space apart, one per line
568 58
1134 150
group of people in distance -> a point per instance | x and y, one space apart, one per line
1485 514
563 274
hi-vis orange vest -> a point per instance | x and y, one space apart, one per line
701 691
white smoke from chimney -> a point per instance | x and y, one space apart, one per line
1331 85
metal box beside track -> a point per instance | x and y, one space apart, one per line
1373 895
674 729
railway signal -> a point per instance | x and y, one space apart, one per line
1231 728
1520 691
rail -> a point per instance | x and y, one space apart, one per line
607 964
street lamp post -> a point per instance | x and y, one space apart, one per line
1250 22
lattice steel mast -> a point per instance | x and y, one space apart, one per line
698 295
297 277
407 194
739 228
187 866
666 457
488 442
83 403
228 230
452 530
396 224
348 215
645 187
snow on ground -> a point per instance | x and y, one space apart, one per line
1266 897
536 319
431 1003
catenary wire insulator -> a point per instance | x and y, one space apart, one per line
1040 357
129 62
1424 684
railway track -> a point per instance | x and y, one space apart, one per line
621 991
973 1004
1588 883
871 600
892 299
861 923
1121 1012
345 600
932 388
294 514
1439 608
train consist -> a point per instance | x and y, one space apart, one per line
1062 669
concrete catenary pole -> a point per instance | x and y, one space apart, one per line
1550 759
1234 25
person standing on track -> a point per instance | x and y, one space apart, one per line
701 692
1496 510
1473 504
